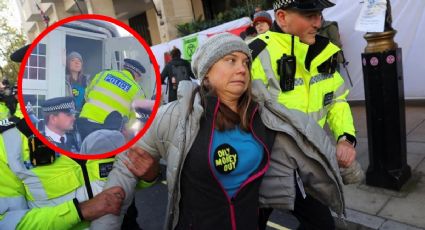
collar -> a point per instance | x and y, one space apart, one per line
212 100
129 74
54 136
276 28
313 50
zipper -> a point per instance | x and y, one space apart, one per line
232 213
266 167
231 200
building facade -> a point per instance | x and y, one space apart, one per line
154 20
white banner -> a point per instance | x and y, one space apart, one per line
408 20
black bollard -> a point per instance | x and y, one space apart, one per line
385 111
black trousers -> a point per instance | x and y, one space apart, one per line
311 214
130 218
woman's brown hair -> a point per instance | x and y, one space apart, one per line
226 118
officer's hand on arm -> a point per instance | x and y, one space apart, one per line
142 164
345 154
107 202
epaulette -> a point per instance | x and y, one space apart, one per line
256 47
17 122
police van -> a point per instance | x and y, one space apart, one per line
102 46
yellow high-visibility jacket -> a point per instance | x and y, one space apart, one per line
4 111
41 197
110 91
318 91
18 112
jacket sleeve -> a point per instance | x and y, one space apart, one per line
122 177
157 137
15 213
339 117
119 176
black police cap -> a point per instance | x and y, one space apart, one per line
59 104
19 54
134 66
302 5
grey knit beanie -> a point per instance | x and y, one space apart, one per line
214 49
263 16
73 55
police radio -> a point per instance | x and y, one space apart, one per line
286 67
40 154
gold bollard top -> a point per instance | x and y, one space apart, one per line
380 42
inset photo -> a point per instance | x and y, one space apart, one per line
89 86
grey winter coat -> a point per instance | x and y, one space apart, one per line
302 145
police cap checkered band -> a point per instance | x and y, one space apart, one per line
302 5
59 104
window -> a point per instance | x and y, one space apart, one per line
35 101
118 60
36 64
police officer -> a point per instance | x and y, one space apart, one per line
43 190
298 68
59 117
13 103
109 97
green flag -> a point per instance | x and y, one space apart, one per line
189 46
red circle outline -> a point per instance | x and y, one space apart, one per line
152 59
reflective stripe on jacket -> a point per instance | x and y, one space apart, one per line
321 95
110 91
41 197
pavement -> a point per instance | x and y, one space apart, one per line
367 207
376 208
